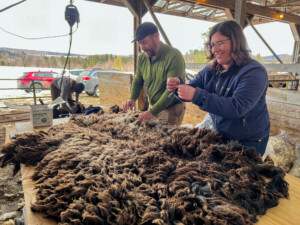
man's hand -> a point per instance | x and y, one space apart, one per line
128 105
145 116
186 92
172 83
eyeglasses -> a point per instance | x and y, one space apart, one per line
217 44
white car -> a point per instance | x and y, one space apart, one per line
189 75
73 74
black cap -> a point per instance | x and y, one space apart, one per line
144 30
78 87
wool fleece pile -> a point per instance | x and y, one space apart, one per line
109 169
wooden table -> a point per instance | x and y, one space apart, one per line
30 197
286 213
288 210
27 172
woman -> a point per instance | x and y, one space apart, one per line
232 88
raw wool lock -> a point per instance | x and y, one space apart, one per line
109 168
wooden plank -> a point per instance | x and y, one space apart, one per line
293 68
114 88
288 210
195 66
30 198
284 108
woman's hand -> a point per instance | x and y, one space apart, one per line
186 92
172 84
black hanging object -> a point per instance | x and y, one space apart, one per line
71 15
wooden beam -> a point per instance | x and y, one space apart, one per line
295 28
148 6
230 14
176 6
258 10
240 9
284 3
189 11
289 68
131 8
295 31
136 22
263 40
165 5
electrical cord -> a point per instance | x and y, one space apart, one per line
12 5
74 18
36 38
68 57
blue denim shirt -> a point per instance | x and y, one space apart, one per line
235 99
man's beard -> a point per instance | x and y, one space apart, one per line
151 52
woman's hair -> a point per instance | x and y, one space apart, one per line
232 30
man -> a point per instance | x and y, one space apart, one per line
64 87
156 64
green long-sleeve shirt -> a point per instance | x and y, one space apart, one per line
154 73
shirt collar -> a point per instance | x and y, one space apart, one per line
219 69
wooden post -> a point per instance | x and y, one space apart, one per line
157 22
240 12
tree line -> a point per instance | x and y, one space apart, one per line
75 62
105 61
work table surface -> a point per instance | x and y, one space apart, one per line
286 213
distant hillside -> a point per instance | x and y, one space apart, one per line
13 51
32 58
280 56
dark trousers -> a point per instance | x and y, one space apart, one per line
260 144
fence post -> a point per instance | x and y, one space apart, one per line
34 95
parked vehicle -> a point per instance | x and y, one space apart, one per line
37 79
189 75
73 74
90 80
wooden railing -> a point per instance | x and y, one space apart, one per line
290 78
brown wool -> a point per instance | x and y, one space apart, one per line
107 168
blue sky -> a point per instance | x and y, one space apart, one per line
109 29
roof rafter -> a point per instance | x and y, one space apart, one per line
262 10
250 9
284 3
